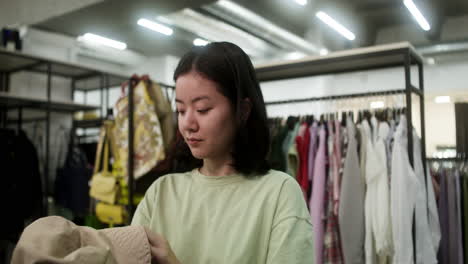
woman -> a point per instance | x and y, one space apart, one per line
228 207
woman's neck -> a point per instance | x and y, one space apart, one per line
218 167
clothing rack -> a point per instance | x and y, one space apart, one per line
363 59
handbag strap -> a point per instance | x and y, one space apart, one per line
97 162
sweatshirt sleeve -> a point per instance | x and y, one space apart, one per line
56 240
291 239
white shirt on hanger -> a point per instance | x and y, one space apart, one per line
402 197
426 251
369 203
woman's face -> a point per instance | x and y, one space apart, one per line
206 117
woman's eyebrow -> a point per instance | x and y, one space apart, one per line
194 100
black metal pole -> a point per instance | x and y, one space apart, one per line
2 81
101 83
107 94
130 170
409 129
20 118
73 89
423 117
409 110
47 147
7 82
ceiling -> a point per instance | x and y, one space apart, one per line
116 19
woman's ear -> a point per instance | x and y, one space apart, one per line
245 108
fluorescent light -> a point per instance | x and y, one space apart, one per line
96 39
155 26
377 104
335 25
417 15
442 99
294 55
323 51
200 42
301 2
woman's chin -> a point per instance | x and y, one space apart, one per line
198 154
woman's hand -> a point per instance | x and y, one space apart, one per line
161 252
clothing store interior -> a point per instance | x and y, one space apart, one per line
374 93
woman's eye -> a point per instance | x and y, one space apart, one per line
203 111
180 112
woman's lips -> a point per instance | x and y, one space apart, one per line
193 141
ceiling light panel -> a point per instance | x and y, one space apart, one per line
96 39
417 15
200 42
215 30
301 2
442 99
155 26
335 25
244 18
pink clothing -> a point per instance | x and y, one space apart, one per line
318 196
336 167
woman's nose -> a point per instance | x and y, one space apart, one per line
189 122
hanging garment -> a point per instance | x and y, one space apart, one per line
332 252
433 213
425 253
464 181
378 193
453 227
292 154
277 160
337 161
351 207
312 150
318 196
302 142
443 255
363 135
21 184
459 242
402 197
368 161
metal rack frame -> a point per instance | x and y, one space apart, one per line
14 62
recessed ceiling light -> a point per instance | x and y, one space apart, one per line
442 99
200 42
96 39
377 104
335 25
301 2
417 15
155 26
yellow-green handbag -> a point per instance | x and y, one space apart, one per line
104 186
111 214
